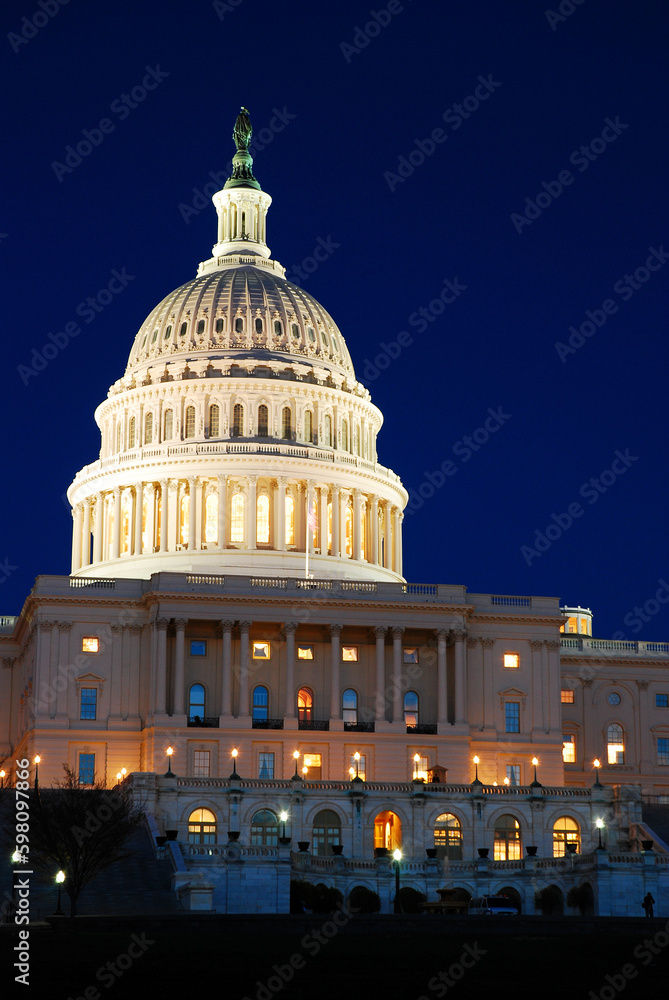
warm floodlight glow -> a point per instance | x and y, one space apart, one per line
124 771
60 877
296 754
416 757
535 761
356 755
351 771
169 751
37 759
235 752
118 776
599 823
284 816
305 769
476 759
596 762
397 854
507 781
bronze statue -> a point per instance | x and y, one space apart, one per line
241 134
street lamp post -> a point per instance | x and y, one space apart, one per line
37 760
60 878
283 839
397 857
296 757
356 758
2 778
599 824
234 755
597 764
169 773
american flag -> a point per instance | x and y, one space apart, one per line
311 517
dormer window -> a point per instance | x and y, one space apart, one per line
296 331
239 325
278 328
258 326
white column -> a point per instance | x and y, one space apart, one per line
397 675
161 666
343 504
460 676
309 503
226 668
396 540
192 513
63 661
222 511
336 551
179 676
380 631
400 556
251 512
374 529
116 530
199 523
173 515
244 668
300 519
323 521
487 688
98 528
442 683
553 720
86 535
139 511
76 537
281 514
357 511
545 689
150 517
289 630
386 536
335 661
164 504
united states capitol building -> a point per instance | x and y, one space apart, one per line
237 596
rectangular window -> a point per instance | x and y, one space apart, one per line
662 701
89 703
410 654
511 661
86 768
201 764
314 763
261 651
362 766
349 652
567 696
420 767
513 773
568 748
305 652
266 765
512 716
90 644
663 751
198 647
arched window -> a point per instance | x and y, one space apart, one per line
565 831
196 702
220 324
344 435
326 832
615 744
119 437
411 709
387 830
148 428
260 703
239 325
125 525
258 325
357 439
290 521
349 531
184 513
237 518
263 421
211 519
131 433
262 519
264 829
214 420
328 430
308 426
189 426
202 827
305 705
278 328
448 837
363 530
286 425
169 426
329 528
508 845
349 707
200 327
237 420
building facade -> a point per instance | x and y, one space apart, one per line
237 585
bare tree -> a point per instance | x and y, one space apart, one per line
81 830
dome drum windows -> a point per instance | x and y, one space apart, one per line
168 424
189 423
287 424
237 420
263 421
214 420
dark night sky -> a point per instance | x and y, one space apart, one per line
348 119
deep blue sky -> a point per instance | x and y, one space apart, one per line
351 115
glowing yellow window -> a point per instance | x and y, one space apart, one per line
313 762
305 652
211 519
290 521
262 519
349 652
183 521
568 749
237 518
90 644
511 660
410 654
567 696
349 531
261 651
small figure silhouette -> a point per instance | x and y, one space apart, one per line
648 904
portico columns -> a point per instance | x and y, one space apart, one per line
323 521
192 513
226 669
179 678
139 512
387 541
244 668
289 630
336 551
460 676
222 511
86 535
164 503
98 523
442 682
161 666
380 632
251 513
357 510
397 675
76 538
374 530
281 515
397 552
116 529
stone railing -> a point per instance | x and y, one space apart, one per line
596 647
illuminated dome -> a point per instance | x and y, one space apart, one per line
238 438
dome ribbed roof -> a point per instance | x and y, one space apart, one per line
236 311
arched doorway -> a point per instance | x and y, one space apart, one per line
326 832
511 894
387 830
